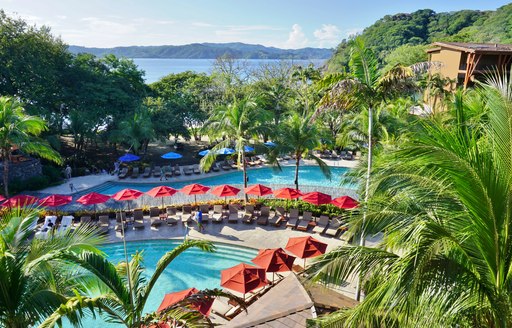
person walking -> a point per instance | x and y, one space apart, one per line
199 219
67 172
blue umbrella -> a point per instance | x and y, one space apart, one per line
129 158
171 155
270 144
248 149
225 151
204 152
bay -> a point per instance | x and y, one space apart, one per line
156 68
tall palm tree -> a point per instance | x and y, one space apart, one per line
299 135
136 131
21 130
36 276
443 204
238 124
117 300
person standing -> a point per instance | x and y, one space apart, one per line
67 172
199 219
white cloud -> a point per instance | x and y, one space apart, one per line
353 32
328 36
296 38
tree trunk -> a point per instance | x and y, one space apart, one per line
244 170
5 154
297 163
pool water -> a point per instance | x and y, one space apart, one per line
308 176
193 268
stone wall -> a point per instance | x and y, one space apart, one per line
23 170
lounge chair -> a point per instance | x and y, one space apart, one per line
278 217
293 218
248 216
233 214
157 172
196 169
186 214
321 224
304 222
138 219
65 223
177 170
215 167
85 219
48 225
147 172
104 223
171 215
263 217
168 172
123 173
218 214
205 209
187 170
233 165
135 173
334 227
154 217
225 166
120 221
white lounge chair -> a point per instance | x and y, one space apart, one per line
48 225
218 214
65 224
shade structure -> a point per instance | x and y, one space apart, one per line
20 201
161 192
129 158
203 306
345 202
248 149
258 190
243 278
55 200
287 193
127 194
270 144
171 155
93 198
195 189
225 151
305 247
274 260
225 191
204 152
316 198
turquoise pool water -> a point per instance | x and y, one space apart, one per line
308 176
193 268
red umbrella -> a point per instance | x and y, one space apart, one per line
127 194
2 198
224 191
93 198
162 191
195 189
346 202
287 193
55 200
173 298
274 260
258 190
305 247
20 201
316 198
243 278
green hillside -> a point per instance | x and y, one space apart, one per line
426 26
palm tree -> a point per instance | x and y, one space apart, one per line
299 135
21 130
237 124
136 132
443 204
36 276
113 296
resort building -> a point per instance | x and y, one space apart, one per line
466 62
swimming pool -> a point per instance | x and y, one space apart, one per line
308 176
193 268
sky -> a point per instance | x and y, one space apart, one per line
289 24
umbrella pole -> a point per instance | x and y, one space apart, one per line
126 257
304 264
162 203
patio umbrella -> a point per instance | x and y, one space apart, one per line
204 152
270 144
2 198
225 191
55 200
93 198
225 151
316 198
258 190
345 202
243 278
305 247
20 201
287 193
127 194
129 158
274 260
248 149
195 189
171 155
171 299
162 191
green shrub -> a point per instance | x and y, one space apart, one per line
33 183
53 173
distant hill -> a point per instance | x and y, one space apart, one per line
208 51
426 26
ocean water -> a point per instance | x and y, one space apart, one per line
156 68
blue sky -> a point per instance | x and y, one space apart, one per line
279 23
